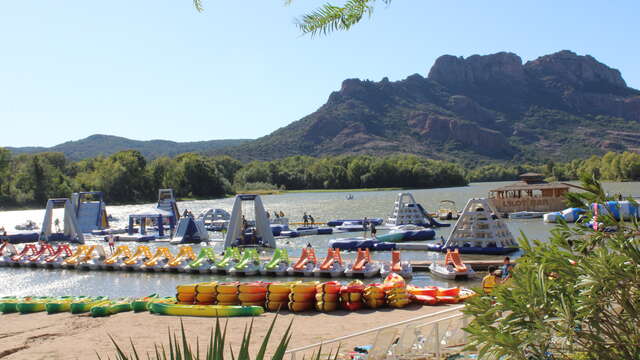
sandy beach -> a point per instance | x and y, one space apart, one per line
66 336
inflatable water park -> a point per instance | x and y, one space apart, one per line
228 299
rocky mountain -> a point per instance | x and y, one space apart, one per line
493 107
95 145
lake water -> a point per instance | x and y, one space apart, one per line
323 206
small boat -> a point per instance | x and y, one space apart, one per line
115 260
305 264
184 257
351 226
7 251
159 260
248 265
44 252
203 262
27 251
526 215
28 225
363 266
447 210
8 304
332 265
137 260
79 306
230 258
278 264
452 268
93 258
204 310
402 268
111 307
55 260
61 304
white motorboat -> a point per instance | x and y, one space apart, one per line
526 215
448 210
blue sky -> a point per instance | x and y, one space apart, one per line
158 69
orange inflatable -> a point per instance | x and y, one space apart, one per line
448 299
330 287
427 290
278 297
276 305
424 299
258 287
448 292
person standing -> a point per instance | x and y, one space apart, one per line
365 227
305 219
373 230
112 243
311 220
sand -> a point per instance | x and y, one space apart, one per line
66 336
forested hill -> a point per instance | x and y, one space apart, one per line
560 106
95 145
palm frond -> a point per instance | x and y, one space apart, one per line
329 18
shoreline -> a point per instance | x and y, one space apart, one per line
65 336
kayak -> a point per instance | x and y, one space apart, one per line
204 310
140 304
8 304
113 307
85 305
61 305
32 305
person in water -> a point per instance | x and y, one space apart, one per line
490 281
506 268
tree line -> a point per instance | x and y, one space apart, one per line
127 177
612 166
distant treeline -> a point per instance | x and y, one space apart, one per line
127 177
611 166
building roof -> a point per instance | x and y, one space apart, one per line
521 185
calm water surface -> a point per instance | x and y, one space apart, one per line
323 206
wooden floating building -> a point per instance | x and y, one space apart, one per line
531 193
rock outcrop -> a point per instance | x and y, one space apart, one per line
559 106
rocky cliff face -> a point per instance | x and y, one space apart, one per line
558 106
